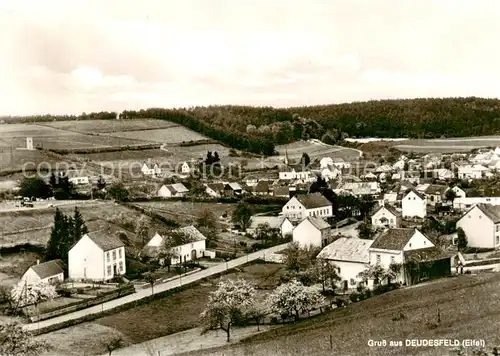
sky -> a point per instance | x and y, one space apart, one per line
71 56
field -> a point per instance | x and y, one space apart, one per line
158 318
469 308
445 145
33 225
186 211
176 134
104 126
316 148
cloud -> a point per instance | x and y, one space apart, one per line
69 57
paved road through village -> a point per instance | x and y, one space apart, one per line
161 287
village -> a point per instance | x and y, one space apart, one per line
343 230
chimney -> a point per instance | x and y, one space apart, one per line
37 262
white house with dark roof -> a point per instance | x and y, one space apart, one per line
50 272
469 171
351 255
97 257
481 225
172 190
386 216
312 231
214 190
282 223
466 203
187 243
434 193
151 169
301 206
413 204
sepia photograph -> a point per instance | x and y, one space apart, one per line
247 178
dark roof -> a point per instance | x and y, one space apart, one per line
216 187
416 192
436 189
281 191
318 223
427 254
105 242
48 269
262 186
314 200
393 239
491 211
391 209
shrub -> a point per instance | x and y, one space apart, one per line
243 244
80 290
354 297
64 292
368 294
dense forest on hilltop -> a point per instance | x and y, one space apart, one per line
259 129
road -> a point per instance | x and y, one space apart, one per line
143 293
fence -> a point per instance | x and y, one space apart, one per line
82 304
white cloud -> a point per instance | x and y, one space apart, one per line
73 56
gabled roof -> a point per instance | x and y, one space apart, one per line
233 186
418 194
274 222
180 188
436 189
350 249
188 234
262 186
491 211
281 191
390 209
314 200
427 254
48 269
216 187
318 223
105 242
393 239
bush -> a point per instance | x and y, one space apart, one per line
64 292
368 294
80 290
243 244
354 297
384 288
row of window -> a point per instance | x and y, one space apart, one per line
322 212
109 270
393 260
108 255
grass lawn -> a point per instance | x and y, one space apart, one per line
161 317
469 306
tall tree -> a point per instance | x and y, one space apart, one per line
241 215
142 229
78 225
58 237
305 160
101 183
461 239
318 186
35 188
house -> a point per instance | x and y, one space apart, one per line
188 244
435 194
362 188
79 180
187 168
475 171
340 163
330 173
443 174
97 257
351 255
369 176
50 272
282 223
414 204
459 192
151 169
296 172
251 181
481 225
262 187
386 216
280 191
214 190
312 231
172 190
301 206
391 198
466 203
232 189
394 246
325 162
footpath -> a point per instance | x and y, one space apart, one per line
158 288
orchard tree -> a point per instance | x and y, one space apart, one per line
151 279
257 312
23 295
297 259
226 305
376 272
15 341
293 298
101 183
365 230
325 273
113 344
242 215
142 229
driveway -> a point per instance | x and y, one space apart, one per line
161 287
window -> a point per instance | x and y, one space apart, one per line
497 227
424 242
107 256
108 271
378 258
121 266
114 255
480 217
409 245
120 253
392 259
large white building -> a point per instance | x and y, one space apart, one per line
413 204
312 231
301 206
351 255
481 225
97 257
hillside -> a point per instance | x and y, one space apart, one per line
258 129
469 308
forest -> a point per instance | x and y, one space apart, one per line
259 129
